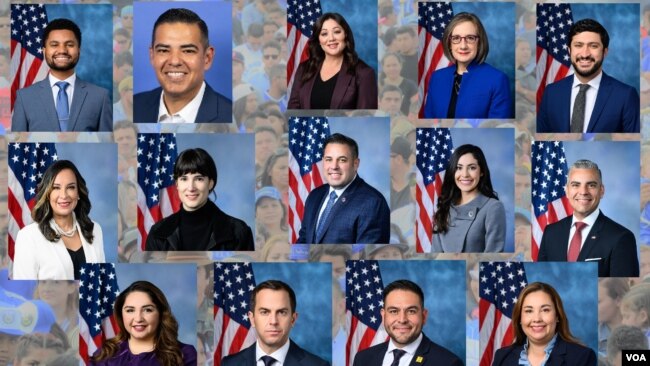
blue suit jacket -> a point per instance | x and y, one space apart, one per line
295 357
360 215
616 108
563 354
214 107
34 111
609 244
428 354
484 93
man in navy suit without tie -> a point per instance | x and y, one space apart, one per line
346 210
403 316
62 101
588 235
589 100
273 314
180 53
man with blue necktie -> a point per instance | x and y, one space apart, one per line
346 210
62 102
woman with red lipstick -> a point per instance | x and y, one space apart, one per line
62 237
541 332
469 217
470 88
148 333
333 77
199 224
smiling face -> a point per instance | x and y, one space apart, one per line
587 55
584 190
194 190
339 165
392 67
61 51
464 52
180 59
65 194
272 319
268 211
332 38
403 316
55 293
608 308
538 317
140 316
468 175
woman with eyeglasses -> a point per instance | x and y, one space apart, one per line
470 88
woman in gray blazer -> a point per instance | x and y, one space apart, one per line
469 217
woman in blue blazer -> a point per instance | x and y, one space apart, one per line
541 332
333 77
470 88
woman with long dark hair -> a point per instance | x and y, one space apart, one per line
469 218
333 77
62 237
541 332
148 333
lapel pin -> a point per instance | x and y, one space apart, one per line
343 199
419 359
593 237
471 214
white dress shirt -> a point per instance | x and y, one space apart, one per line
69 90
590 98
408 356
590 221
186 115
280 355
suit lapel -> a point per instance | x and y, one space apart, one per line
45 95
342 82
565 105
561 243
294 356
558 353
591 242
78 98
604 90
209 108
306 95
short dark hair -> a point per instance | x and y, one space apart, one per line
390 88
404 285
339 138
62 24
272 44
589 25
625 337
122 58
405 29
198 161
182 15
274 285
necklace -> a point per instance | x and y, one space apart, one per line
70 233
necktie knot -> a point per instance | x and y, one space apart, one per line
268 360
580 225
63 85
397 355
583 88
333 196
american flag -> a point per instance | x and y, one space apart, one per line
157 195
499 286
549 175
98 290
306 139
433 148
301 16
27 164
432 19
553 61
27 66
233 284
364 299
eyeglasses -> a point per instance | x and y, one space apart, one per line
274 57
471 39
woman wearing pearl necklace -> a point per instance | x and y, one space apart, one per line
62 237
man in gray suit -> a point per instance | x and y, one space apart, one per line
62 101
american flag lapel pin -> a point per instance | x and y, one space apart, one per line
419 359
343 199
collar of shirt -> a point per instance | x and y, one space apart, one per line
186 115
280 355
69 90
340 191
590 221
593 83
410 350
523 356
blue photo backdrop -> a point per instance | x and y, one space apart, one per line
217 16
179 286
96 53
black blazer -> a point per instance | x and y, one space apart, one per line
563 354
295 357
431 355
214 107
358 91
228 233
609 244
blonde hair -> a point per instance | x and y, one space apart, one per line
638 299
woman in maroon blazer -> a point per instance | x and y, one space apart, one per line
333 77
